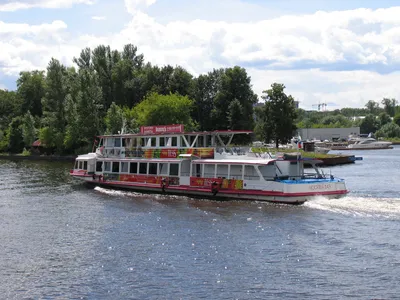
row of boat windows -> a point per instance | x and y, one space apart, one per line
171 141
247 172
139 168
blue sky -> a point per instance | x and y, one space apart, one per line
340 52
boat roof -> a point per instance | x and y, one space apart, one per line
192 133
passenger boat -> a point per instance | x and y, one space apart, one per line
165 159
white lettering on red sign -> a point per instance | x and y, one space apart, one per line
161 129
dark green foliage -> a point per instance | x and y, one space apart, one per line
389 130
279 115
369 124
15 137
31 90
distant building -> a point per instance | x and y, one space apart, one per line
328 133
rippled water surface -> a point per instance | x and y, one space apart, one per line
61 240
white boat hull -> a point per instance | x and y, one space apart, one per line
281 193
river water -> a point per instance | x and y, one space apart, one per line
62 240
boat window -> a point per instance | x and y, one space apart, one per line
142 168
174 169
80 165
101 143
196 170
117 142
236 172
107 166
153 142
163 169
85 165
133 168
250 173
115 167
99 166
153 168
209 170
174 141
123 142
267 171
162 141
109 142
124 167
222 171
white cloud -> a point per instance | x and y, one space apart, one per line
132 6
99 18
292 49
26 4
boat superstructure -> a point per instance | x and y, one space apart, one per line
165 159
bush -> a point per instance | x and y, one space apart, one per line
26 152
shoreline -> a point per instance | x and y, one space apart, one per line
69 158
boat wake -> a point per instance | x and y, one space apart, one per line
137 195
359 206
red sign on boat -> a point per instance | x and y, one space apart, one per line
160 129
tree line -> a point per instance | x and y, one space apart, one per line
108 91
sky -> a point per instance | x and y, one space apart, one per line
342 53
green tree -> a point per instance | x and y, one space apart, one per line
54 104
383 119
158 109
389 130
206 88
280 115
372 106
114 119
396 119
235 84
28 129
10 104
235 115
16 142
31 88
389 105
88 105
369 124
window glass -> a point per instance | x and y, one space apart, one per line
115 167
174 141
153 168
107 166
163 169
117 142
174 169
250 173
99 166
143 168
85 165
133 168
124 167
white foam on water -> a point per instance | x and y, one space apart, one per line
118 193
359 206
